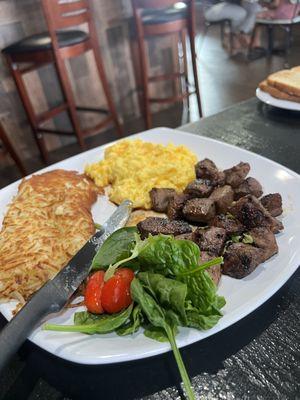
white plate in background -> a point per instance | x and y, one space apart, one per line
242 296
272 101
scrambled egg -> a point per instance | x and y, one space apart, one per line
134 167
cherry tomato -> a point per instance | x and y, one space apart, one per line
93 292
126 273
116 292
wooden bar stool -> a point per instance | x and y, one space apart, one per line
6 145
56 46
162 17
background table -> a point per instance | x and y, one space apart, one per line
257 358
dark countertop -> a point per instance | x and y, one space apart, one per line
256 358
254 126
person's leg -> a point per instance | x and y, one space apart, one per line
256 43
265 14
236 14
248 23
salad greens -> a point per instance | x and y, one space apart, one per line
134 323
115 248
170 289
86 322
163 318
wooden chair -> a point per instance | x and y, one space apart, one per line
162 17
10 149
56 46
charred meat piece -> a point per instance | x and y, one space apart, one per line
160 198
273 203
241 259
223 198
186 236
265 240
207 169
199 210
234 176
199 188
231 225
250 212
211 240
176 205
156 225
215 271
248 186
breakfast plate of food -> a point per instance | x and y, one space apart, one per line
214 233
281 89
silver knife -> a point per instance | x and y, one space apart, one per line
55 293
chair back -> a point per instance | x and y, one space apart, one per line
61 14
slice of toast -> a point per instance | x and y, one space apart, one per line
278 94
287 81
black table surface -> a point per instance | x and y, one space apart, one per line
256 358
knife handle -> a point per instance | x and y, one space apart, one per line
19 328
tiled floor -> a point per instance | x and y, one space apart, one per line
223 81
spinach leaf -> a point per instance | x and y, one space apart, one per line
198 320
204 302
202 267
159 334
115 248
157 317
134 324
87 318
169 293
139 245
168 256
201 290
90 324
151 309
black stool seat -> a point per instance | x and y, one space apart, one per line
42 41
164 15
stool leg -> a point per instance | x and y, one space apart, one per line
270 40
69 98
185 66
17 76
135 55
11 151
252 41
176 63
144 74
230 38
194 62
106 89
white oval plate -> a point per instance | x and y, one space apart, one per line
243 296
272 101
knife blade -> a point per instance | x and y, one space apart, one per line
55 293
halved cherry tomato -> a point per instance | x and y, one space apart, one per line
116 291
93 292
126 273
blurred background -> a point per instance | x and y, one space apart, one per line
226 76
